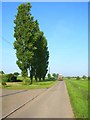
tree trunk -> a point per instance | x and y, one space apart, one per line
36 78
24 80
43 78
40 79
30 76
31 79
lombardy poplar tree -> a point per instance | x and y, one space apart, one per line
23 30
41 57
35 33
30 44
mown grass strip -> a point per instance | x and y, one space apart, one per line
79 97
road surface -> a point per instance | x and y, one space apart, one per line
13 99
53 103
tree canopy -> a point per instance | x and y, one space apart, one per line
30 44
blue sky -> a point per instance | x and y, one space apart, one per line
65 25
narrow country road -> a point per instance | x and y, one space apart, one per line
14 99
53 103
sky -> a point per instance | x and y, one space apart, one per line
65 25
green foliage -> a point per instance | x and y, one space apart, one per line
26 81
24 25
78 78
5 79
84 77
11 78
68 77
16 74
1 72
41 56
30 44
54 75
49 75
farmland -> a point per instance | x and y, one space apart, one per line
78 93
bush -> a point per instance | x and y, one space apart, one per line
78 78
16 74
49 75
1 72
26 81
3 83
54 75
5 79
84 77
68 77
11 78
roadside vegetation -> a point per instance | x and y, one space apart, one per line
15 82
78 93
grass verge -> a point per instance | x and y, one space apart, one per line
35 85
78 93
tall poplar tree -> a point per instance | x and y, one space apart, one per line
41 56
30 44
24 25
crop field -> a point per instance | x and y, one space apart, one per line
78 93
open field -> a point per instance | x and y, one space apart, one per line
78 93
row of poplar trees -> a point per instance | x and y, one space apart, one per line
30 45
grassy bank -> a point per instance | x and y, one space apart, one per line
78 93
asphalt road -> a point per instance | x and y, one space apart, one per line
53 103
13 99
0 104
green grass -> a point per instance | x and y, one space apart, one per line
78 93
26 85
21 85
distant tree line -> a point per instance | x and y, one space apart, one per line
30 45
78 77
